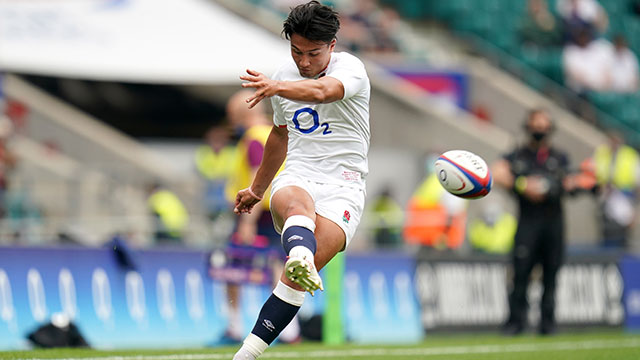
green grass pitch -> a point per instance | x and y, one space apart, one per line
583 346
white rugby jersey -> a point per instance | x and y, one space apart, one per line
328 143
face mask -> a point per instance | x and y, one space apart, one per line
538 136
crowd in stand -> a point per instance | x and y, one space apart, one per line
591 62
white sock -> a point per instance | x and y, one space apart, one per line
301 251
243 354
252 347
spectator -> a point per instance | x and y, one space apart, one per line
582 15
539 27
435 218
494 230
215 161
617 166
624 67
536 173
386 215
170 215
254 232
586 64
370 28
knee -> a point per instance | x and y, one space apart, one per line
299 208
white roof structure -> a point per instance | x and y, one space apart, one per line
151 41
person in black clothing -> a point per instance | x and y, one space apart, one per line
537 174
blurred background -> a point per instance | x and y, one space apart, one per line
112 113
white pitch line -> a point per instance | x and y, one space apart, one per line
435 351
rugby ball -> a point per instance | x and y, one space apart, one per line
463 174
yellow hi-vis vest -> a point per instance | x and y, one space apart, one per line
215 166
623 172
496 239
429 192
171 211
242 174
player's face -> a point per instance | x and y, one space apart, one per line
310 57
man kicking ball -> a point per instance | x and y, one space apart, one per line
320 103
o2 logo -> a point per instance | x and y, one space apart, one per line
316 122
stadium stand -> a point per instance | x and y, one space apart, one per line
492 27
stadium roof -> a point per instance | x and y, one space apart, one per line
153 41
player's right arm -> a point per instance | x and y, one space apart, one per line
313 91
275 151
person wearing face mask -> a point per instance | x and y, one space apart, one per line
537 174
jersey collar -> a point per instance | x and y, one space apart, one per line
322 72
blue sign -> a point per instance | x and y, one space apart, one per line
630 268
379 298
450 86
168 301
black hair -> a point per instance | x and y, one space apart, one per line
312 21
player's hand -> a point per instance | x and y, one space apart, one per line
245 201
264 86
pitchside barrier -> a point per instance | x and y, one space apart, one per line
169 298
471 293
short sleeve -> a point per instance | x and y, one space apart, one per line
278 114
351 73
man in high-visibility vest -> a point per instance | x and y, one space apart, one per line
617 166
494 231
387 218
435 218
215 161
170 214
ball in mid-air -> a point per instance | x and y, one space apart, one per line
464 174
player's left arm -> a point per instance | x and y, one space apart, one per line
324 90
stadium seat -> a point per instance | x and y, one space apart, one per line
615 8
605 101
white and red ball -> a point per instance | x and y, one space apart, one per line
464 174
